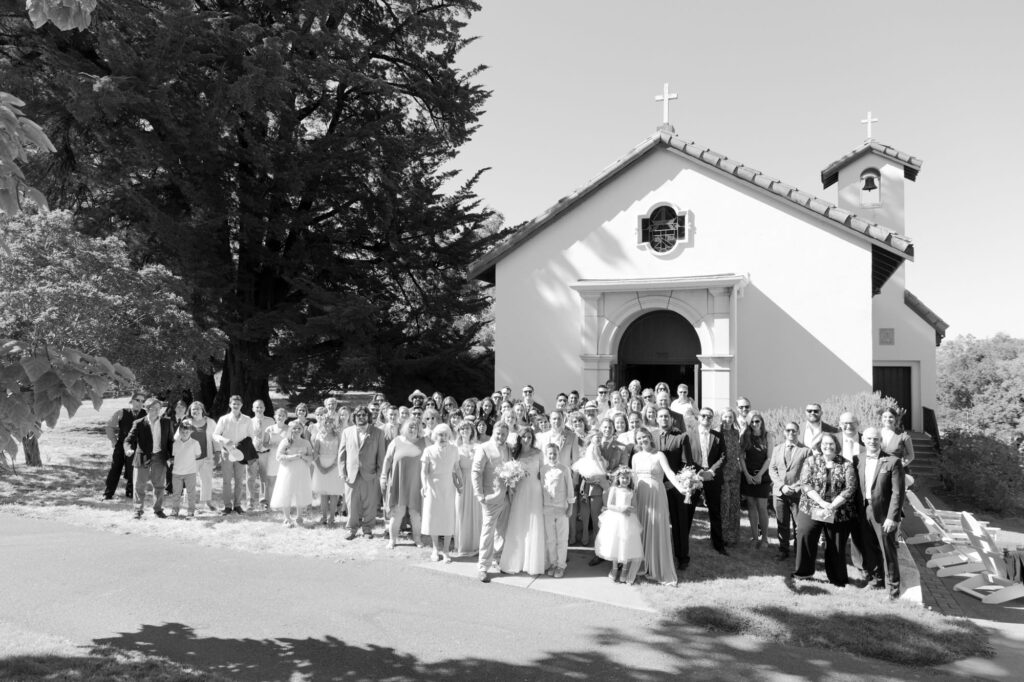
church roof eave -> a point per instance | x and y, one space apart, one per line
911 164
878 236
926 314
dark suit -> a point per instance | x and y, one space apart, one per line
675 445
713 487
888 490
150 459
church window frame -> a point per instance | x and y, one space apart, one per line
665 229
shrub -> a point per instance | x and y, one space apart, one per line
981 469
866 406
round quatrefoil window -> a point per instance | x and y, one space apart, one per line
663 229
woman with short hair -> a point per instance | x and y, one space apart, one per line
828 485
202 431
400 482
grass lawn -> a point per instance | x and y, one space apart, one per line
745 593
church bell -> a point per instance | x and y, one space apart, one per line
870 184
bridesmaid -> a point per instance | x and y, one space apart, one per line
730 477
755 484
896 441
326 480
273 435
468 512
650 468
202 431
400 480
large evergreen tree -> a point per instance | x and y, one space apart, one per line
286 158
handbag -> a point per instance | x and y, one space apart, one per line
823 515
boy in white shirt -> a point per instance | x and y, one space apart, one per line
184 452
556 486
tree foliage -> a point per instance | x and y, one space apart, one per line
61 289
981 385
290 160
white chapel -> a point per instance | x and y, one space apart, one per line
677 263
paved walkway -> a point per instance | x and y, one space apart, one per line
264 616
1004 623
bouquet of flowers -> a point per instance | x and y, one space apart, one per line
589 467
690 481
511 472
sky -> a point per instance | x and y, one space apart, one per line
781 87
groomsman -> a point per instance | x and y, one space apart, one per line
117 430
529 402
743 406
814 426
231 430
853 452
784 469
676 446
360 457
260 481
663 402
150 441
883 487
710 456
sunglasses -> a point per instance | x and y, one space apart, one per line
756 421
790 430
813 411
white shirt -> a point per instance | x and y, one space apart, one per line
850 448
185 457
265 423
811 432
705 444
870 466
230 430
154 427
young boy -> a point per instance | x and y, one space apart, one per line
184 452
556 482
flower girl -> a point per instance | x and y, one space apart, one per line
619 538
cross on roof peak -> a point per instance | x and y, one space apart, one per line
869 121
664 98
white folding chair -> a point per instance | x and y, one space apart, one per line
992 586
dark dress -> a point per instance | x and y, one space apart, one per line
754 458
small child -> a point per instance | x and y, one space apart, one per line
556 486
184 451
619 540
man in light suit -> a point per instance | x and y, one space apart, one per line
883 489
360 456
784 469
814 427
491 493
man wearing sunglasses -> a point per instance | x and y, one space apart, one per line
784 469
814 426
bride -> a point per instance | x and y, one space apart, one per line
524 538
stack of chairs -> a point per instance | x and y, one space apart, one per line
991 584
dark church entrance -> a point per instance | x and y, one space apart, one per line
660 346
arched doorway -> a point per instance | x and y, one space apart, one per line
660 346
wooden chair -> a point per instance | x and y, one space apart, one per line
954 554
992 586
951 519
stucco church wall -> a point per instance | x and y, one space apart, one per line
914 344
791 346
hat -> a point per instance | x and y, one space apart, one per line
151 401
417 394
591 405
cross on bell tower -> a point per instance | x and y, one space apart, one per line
869 121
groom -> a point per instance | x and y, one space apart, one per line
490 491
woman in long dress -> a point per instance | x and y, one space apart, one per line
730 477
524 537
469 515
326 481
294 486
650 468
272 436
400 480
441 482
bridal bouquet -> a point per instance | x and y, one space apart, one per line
689 480
589 467
511 472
